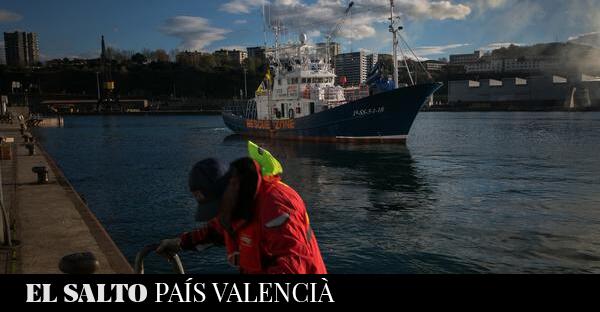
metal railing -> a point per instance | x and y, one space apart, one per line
139 260
242 108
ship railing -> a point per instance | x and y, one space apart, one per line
242 108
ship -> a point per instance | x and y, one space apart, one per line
299 99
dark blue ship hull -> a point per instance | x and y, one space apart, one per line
386 116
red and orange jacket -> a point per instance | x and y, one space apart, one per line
277 240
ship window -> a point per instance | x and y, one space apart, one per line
304 80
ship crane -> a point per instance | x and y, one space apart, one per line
335 30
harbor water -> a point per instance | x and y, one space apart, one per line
468 193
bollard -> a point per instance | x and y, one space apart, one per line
31 148
79 263
42 174
28 138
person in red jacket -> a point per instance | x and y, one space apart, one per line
262 222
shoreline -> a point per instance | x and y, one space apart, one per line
117 260
50 220
424 110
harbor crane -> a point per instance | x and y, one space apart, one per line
107 97
336 29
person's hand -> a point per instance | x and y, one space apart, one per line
169 247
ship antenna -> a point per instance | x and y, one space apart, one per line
264 24
394 30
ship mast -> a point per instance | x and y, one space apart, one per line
394 30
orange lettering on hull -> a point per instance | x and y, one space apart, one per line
266 124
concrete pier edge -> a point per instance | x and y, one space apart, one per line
115 257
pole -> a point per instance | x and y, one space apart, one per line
393 30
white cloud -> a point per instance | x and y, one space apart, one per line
8 16
240 22
483 5
241 6
499 45
322 15
438 50
195 33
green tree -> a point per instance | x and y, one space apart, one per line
139 59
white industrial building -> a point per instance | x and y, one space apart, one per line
537 91
463 59
492 65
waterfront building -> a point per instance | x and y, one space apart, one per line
256 52
508 65
354 66
334 49
541 92
463 59
2 56
21 49
434 66
189 58
236 56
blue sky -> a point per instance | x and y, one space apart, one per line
435 28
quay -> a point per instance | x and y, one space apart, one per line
47 220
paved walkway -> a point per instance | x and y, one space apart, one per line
50 220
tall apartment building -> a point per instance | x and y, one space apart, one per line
21 48
354 66
2 56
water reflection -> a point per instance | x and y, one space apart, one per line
470 193
380 167
365 200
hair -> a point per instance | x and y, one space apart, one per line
245 169
207 176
